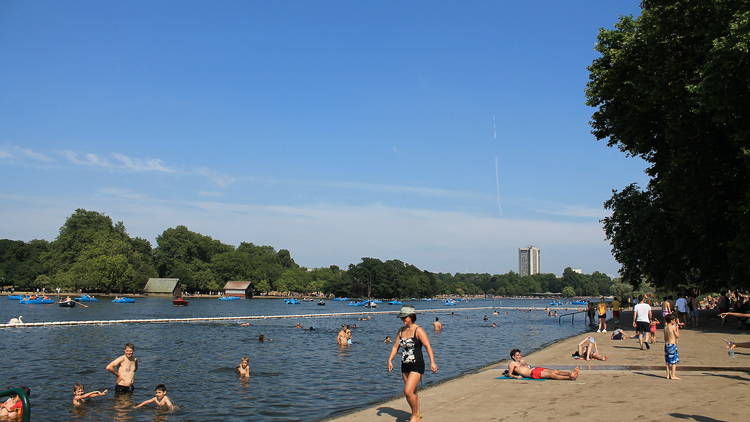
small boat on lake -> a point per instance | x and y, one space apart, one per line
395 302
229 298
36 301
180 302
321 303
123 300
67 304
291 301
86 298
15 297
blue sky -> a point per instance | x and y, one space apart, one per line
334 129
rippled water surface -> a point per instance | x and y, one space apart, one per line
300 375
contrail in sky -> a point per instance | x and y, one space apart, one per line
497 167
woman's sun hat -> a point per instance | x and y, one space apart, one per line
406 311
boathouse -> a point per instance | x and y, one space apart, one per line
163 286
239 289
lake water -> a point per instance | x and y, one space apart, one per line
298 376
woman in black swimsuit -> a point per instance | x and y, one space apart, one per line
411 338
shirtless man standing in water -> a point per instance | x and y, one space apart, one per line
518 368
124 369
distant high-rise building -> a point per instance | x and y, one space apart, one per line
528 261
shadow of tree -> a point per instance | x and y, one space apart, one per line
398 415
698 418
733 377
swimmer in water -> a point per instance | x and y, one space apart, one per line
160 399
387 340
243 370
79 396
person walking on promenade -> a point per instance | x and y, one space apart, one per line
124 369
642 320
602 311
410 338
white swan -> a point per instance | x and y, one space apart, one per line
16 321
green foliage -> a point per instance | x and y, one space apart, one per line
671 87
568 291
105 258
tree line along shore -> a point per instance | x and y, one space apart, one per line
94 254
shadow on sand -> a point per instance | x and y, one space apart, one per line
398 415
698 418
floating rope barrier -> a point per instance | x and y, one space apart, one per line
252 317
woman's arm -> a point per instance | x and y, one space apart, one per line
394 349
422 336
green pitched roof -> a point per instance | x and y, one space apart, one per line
161 285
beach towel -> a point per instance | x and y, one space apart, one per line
504 377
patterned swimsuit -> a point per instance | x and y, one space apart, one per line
411 355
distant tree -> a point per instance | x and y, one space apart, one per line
568 291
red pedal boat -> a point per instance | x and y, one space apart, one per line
180 302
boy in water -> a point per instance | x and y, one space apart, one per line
79 395
160 399
244 369
124 369
671 355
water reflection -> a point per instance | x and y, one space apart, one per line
123 407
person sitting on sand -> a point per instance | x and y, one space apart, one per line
620 334
518 368
730 344
79 394
587 350
243 370
160 399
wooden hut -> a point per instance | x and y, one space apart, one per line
239 289
163 286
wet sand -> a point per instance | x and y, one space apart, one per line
712 387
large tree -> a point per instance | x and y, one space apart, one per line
672 87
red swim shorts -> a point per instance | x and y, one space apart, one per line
536 373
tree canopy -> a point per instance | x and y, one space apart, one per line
672 86
94 254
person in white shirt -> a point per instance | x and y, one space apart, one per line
682 309
642 320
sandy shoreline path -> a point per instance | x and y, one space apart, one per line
712 387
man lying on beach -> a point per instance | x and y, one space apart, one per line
518 368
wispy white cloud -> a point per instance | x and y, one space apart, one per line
219 179
14 151
136 164
211 194
577 211
328 234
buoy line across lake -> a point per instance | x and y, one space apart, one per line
251 317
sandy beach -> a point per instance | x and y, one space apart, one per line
630 385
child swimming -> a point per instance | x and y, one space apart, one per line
160 399
243 370
79 394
